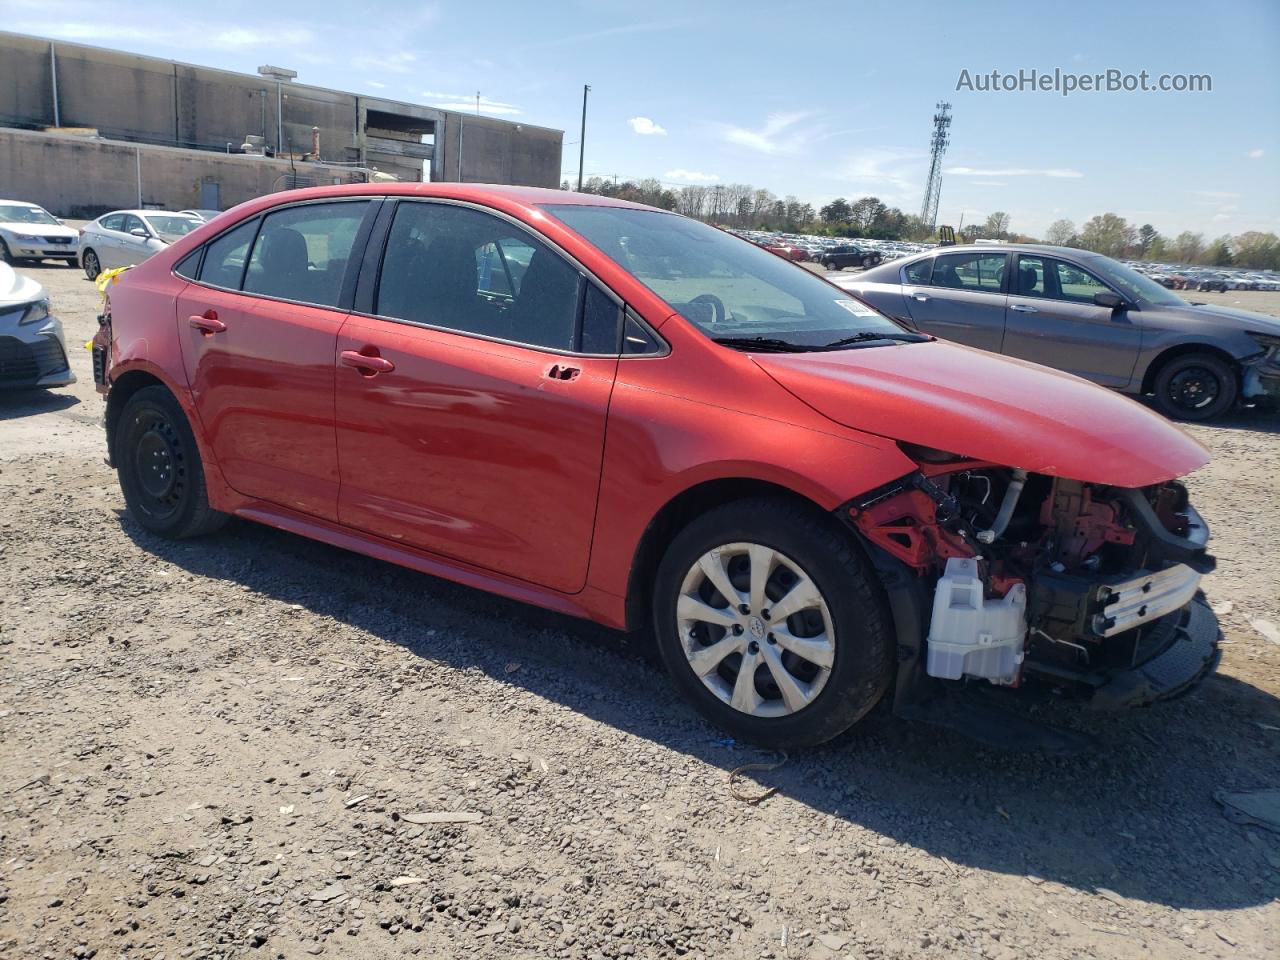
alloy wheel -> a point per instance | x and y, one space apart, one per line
755 629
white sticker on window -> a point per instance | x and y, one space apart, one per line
857 308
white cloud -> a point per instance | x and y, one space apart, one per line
690 176
375 84
646 127
780 134
194 35
1014 172
464 103
988 183
1216 194
874 169
1256 154
401 61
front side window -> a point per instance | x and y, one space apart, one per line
979 272
465 270
1076 284
301 253
730 289
225 258
1031 277
132 223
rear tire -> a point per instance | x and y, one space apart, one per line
817 667
1195 387
159 466
92 266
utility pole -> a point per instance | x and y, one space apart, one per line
582 138
477 103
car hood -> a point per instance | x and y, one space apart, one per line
39 229
1227 318
994 408
15 288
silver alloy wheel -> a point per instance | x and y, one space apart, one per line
756 629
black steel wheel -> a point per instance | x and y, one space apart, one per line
1195 387
159 466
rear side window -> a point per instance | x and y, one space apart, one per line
301 253
225 258
918 272
980 272
113 221
464 270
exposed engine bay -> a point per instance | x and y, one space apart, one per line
1089 589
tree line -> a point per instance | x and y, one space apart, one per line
746 207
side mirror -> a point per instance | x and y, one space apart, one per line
140 232
1108 299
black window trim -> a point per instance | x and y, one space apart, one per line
1048 258
346 290
371 275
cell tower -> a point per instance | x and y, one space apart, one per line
933 193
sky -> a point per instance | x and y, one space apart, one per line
820 100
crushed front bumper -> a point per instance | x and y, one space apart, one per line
1188 654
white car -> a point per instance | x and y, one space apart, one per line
30 232
33 350
124 238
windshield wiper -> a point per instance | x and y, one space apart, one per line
867 336
763 343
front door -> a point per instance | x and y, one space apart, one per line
259 326
1053 320
470 424
963 299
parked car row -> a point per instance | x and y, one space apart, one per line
833 253
1202 278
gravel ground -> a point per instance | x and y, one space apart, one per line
256 745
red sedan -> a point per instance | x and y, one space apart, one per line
622 414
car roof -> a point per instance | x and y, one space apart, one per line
484 193
22 203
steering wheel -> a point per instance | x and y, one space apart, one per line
720 314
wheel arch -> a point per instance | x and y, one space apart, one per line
1182 350
673 516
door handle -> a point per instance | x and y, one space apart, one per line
1023 308
560 371
207 323
368 365
921 297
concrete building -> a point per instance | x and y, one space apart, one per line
182 128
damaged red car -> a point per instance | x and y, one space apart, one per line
619 413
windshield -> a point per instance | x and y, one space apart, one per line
729 288
15 214
172 226
1133 284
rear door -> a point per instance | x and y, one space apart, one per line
106 241
472 399
259 328
963 299
1053 320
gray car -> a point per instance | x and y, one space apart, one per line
1085 314
124 238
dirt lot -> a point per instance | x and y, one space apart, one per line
222 748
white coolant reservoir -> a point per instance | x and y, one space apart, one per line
971 636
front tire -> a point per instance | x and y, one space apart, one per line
5 255
159 466
771 623
1195 387
92 266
